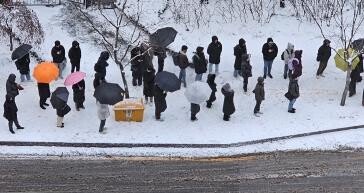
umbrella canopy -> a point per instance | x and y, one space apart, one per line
197 92
74 78
45 72
358 45
167 81
21 51
59 97
109 93
341 63
163 37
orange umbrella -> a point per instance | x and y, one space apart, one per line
45 72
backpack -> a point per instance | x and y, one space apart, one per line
175 58
282 55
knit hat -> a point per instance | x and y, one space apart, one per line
75 43
214 38
269 40
227 87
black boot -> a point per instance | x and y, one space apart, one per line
226 117
208 104
11 127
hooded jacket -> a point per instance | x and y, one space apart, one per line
100 66
269 50
22 64
74 53
214 51
199 61
12 86
239 51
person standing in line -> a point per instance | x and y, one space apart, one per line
246 70
195 108
79 94
214 51
323 56
288 54
159 102
58 54
161 56
103 113
44 94
101 64
10 113
292 94
12 88
22 65
183 63
74 55
200 63
239 50
148 84
269 51
259 96
212 85
228 107
136 66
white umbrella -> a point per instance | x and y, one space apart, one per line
198 92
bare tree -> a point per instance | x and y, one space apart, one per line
117 33
346 18
21 23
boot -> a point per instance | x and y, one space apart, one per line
11 127
208 104
226 117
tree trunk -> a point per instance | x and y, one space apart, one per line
346 89
11 40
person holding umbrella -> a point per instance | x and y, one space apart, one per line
22 65
10 113
74 55
58 54
197 93
79 94
59 100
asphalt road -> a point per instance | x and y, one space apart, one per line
275 172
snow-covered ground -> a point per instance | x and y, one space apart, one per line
317 108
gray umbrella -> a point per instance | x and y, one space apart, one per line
21 51
163 37
167 81
59 97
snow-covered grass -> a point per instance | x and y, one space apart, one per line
317 108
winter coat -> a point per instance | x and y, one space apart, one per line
22 64
61 112
239 50
148 82
246 68
12 88
212 85
10 108
98 80
214 51
79 92
195 108
137 65
293 89
200 63
102 111
159 99
355 74
228 107
288 53
43 89
324 53
74 54
183 60
58 54
259 91
101 65
296 65
269 51
360 64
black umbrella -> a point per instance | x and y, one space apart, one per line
109 93
167 81
59 97
163 37
358 45
21 51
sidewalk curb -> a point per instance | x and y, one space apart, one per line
171 145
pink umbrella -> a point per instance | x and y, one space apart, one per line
74 78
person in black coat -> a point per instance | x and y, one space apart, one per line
200 63
161 55
101 64
98 80
44 94
59 58
183 63
137 66
61 112
269 51
239 50
354 77
323 56
79 94
10 113
148 84
195 108
74 55
12 88
229 107
22 65
159 101
214 51
246 70
212 84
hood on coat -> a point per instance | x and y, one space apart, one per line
227 87
75 44
104 55
326 41
11 78
290 46
199 49
270 40
241 42
214 38
260 80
